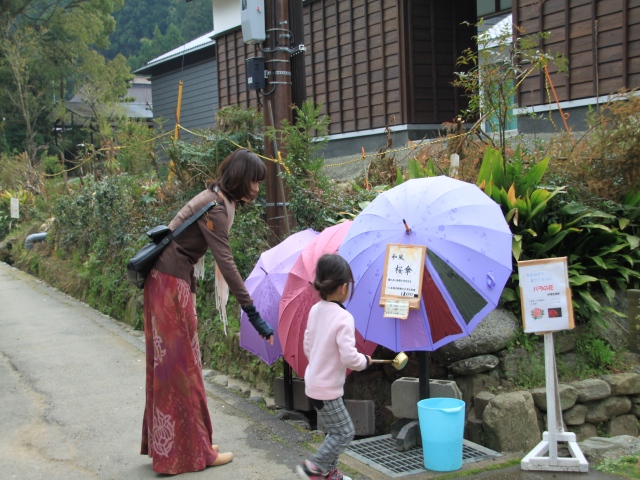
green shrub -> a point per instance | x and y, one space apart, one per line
598 354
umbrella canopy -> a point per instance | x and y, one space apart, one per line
467 264
299 296
265 285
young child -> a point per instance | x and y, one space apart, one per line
330 346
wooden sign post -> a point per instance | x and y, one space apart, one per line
402 279
545 298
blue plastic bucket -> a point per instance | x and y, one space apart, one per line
441 428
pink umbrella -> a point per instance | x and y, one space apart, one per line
299 296
265 285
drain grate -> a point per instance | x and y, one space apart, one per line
380 453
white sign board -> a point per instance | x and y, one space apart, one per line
396 309
545 295
403 272
15 208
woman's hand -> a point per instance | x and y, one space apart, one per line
262 327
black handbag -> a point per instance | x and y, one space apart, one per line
141 264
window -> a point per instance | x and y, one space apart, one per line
489 7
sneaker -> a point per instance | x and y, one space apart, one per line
336 475
309 471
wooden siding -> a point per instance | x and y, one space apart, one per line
352 62
436 38
359 58
199 96
600 39
232 53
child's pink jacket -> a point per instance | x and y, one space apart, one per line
330 346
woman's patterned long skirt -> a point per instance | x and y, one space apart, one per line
176 430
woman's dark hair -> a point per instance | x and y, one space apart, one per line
332 271
236 174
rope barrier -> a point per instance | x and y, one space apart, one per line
280 162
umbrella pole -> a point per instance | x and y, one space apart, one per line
423 374
288 386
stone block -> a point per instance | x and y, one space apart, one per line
473 430
622 425
405 393
300 400
584 431
592 389
408 437
598 448
404 397
575 415
623 383
481 401
397 426
567 393
363 416
603 410
510 423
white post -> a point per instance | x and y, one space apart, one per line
536 458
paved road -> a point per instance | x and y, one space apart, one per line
72 397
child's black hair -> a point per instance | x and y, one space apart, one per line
332 271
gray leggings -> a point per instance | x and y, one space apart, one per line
341 431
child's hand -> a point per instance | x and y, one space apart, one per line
369 359
270 339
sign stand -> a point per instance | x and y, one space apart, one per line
536 459
546 308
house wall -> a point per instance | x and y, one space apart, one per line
369 68
226 14
199 96
232 53
602 58
352 62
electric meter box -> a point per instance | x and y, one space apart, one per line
255 73
252 21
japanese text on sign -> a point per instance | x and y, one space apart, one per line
396 309
404 267
545 295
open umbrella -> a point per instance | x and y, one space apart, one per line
467 264
265 285
299 296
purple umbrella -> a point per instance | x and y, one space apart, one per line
467 264
265 285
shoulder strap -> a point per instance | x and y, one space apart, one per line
192 219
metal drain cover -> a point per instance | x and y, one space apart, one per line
380 454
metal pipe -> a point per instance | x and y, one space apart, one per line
34 238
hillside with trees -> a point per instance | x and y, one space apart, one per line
146 29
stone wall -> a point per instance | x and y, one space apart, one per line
513 422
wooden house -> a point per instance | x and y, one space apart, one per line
600 40
193 63
372 63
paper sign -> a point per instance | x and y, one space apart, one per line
545 295
15 208
403 272
396 309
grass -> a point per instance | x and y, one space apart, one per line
625 467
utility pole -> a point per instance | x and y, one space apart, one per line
277 107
